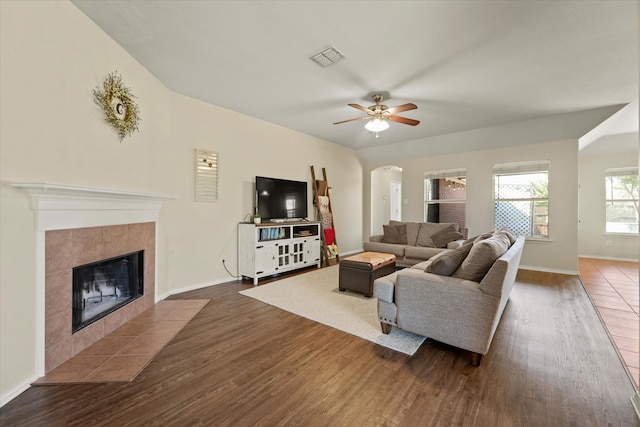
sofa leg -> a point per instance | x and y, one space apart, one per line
476 358
386 328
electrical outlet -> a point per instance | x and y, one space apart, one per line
608 243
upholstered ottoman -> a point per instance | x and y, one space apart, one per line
358 272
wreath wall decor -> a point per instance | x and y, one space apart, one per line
118 104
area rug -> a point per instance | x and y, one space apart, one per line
125 352
315 295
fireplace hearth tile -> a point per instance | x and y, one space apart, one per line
74 370
145 344
138 341
133 328
119 368
57 354
118 318
107 346
165 327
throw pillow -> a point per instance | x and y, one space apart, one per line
428 229
394 234
481 257
446 235
509 234
412 230
476 239
447 262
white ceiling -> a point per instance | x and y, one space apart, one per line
465 64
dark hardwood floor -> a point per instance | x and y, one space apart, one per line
240 362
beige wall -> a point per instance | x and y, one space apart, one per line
559 254
52 56
592 240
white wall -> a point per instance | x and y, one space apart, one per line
592 239
52 56
559 254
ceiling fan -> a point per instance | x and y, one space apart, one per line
379 114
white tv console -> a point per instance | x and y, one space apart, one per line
270 248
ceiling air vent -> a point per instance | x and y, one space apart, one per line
327 57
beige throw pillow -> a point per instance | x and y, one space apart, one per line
446 235
447 262
428 229
476 239
481 257
412 230
394 234
509 234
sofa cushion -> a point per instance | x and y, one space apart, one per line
420 253
446 263
481 257
448 234
387 248
395 234
412 230
428 229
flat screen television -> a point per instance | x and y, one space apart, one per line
280 199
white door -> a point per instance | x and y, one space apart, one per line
395 194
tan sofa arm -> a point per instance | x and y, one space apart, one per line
377 238
383 287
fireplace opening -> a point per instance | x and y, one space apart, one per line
103 287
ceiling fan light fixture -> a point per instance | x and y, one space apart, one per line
376 125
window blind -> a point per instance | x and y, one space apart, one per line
524 167
621 172
206 163
449 173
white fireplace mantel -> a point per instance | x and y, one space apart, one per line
60 207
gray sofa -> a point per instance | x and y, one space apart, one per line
451 309
417 243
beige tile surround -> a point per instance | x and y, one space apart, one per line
65 249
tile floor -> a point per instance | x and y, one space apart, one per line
121 355
613 287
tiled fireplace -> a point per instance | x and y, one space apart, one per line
66 249
75 226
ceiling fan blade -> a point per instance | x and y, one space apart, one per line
403 107
361 108
404 120
351 120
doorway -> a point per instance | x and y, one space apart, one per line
395 205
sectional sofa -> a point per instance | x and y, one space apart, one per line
414 242
457 297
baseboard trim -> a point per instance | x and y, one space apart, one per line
548 270
195 287
609 258
16 391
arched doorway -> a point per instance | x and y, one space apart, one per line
386 196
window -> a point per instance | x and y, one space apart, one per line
621 199
445 196
521 198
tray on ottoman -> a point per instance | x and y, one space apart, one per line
358 272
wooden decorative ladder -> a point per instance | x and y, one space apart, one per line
321 188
